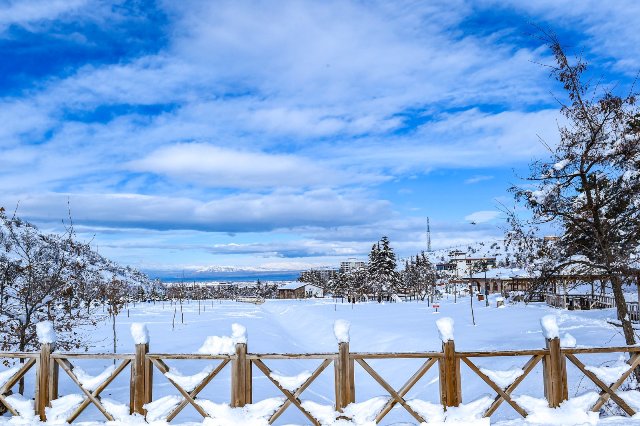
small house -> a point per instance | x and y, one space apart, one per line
299 290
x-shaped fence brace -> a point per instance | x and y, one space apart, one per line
90 396
188 397
608 391
292 397
11 383
504 394
397 397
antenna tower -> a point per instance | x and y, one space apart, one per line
428 236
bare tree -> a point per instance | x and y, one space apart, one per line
114 293
50 277
39 276
590 190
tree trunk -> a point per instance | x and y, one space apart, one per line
22 347
113 328
473 317
638 287
621 308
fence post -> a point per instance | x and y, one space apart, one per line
449 366
343 367
450 383
240 377
141 389
344 376
241 374
554 364
47 372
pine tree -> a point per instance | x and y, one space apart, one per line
383 277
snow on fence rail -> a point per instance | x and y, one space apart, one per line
142 365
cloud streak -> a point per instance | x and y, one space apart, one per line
235 213
215 166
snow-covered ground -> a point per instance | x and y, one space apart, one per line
308 326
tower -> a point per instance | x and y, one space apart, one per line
428 236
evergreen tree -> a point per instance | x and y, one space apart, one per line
383 277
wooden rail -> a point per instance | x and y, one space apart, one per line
587 301
142 365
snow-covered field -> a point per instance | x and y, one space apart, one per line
308 326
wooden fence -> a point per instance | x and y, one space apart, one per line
586 301
142 365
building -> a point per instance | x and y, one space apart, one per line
299 290
459 265
351 264
500 280
326 274
446 267
465 265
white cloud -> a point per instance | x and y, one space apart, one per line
235 213
467 139
214 166
607 29
482 216
295 94
26 13
477 179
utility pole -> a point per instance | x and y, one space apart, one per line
428 236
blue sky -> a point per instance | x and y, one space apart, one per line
283 134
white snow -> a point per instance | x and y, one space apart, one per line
609 374
8 374
560 165
218 345
224 345
360 413
465 414
568 341
23 406
250 415
341 330
575 411
161 407
631 397
304 326
90 382
139 333
238 333
45 332
188 383
503 378
120 412
325 414
291 383
445 329
549 326
62 408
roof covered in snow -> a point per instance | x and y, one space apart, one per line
502 274
296 285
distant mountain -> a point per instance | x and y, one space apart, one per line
225 273
222 268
